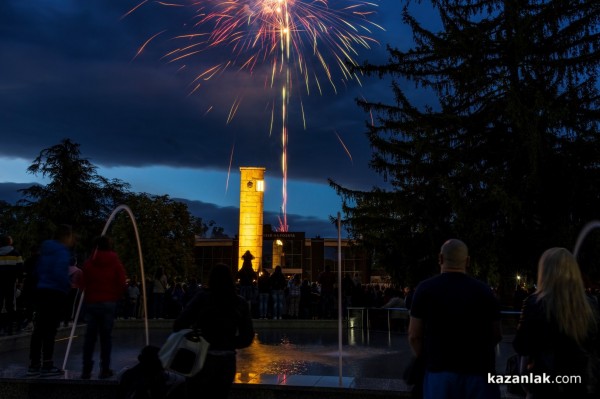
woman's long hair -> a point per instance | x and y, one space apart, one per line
560 287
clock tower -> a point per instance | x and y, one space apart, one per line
252 188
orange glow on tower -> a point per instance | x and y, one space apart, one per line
252 187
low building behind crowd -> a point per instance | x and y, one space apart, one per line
295 253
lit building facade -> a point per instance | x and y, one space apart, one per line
294 253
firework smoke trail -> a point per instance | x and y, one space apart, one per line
297 38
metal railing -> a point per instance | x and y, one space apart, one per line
396 314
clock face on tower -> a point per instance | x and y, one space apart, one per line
250 184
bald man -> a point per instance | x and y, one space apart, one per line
454 327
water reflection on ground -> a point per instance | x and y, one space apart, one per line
374 354
309 352
285 352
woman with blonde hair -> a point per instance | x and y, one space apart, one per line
558 330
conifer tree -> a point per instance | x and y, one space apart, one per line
505 154
75 195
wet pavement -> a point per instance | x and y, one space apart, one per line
285 352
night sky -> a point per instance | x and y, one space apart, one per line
69 70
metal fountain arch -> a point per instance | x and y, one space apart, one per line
143 278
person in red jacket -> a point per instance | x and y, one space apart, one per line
104 285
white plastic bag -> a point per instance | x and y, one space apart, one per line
184 352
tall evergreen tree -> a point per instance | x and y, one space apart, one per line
75 195
505 156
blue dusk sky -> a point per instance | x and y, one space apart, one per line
69 70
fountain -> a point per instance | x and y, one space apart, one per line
583 234
302 360
143 278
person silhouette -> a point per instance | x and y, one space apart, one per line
247 277
104 282
52 286
453 329
225 322
558 333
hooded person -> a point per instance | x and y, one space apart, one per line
104 285
51 287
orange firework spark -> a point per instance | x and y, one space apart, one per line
229 169
143 46
302 40
344 145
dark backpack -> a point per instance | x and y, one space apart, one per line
148 379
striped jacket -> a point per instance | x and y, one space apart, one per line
11 262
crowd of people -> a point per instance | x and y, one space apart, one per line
53 282
273 295
558 332
270 295
276 296
292 297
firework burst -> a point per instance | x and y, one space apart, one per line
306 43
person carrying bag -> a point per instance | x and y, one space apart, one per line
224 319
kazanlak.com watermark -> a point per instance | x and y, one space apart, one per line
533 379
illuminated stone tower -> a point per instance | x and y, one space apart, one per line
252 187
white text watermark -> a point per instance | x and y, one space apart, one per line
533 379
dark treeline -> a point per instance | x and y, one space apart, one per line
78 196
503 153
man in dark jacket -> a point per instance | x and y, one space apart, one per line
52 287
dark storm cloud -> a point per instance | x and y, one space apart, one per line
70 73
